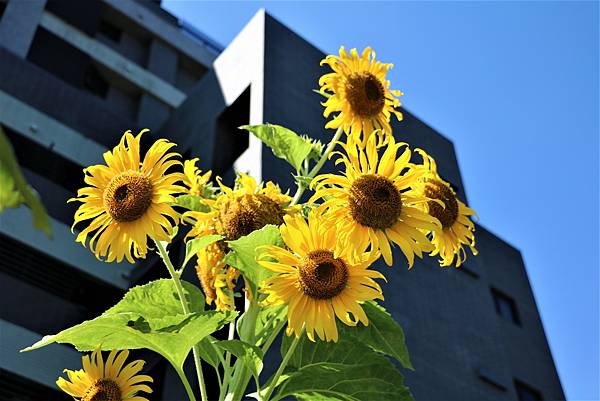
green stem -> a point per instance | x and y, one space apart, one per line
186 310
317 166
226 364
286 359
186 384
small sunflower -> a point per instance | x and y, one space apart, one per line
457 229
316 282
193 178
216 278
112 381
359 92
128 199
373 202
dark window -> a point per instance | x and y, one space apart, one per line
526 393
94 82
505 306
110 31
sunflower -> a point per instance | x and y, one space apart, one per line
98 381
128 200
358 91
373 202
216 278
193 178
236 212
457 229
316 282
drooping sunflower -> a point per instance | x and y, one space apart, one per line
457 229
193 178
360 95
128 200
373 202
234 213
316 281
110 381
216 278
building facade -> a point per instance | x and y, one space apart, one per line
75 75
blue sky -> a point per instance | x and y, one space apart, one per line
515 86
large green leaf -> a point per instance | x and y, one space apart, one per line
128 325
14 190
245 250
149 301
209 352
346 370
382 334
197 244
355 368
250 355
286 144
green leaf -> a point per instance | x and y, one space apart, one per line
192 202
285 143
347 370
14 190
129 325
245 250
355 368
328 381
197 244
383 334
149 301
250 355
209 351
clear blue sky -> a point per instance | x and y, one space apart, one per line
515 86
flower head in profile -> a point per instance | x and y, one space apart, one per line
128 200
316 283
194 179
216 278
457 229
372 202
360 95
110 381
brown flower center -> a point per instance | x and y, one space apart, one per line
128 196
375 201
446 215
247 213
103 390
322 276
365 93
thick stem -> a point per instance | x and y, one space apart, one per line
186 385
315 170
186 310
284 362
226 364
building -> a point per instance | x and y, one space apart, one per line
74 76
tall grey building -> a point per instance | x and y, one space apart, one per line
75 75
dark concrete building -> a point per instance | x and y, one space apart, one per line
75 75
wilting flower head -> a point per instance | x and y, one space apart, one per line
456 228
360 94
193 178
372 201
128 199
238 211
110 381
216 278
315 282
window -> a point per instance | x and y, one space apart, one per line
110 31
505 306
526 393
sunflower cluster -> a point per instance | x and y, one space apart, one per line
385 195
